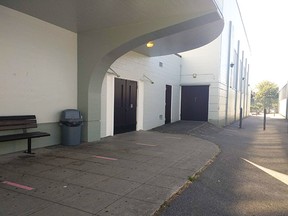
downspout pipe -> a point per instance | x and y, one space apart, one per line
236 82
286 109
241 80
229 65
286 93
245 89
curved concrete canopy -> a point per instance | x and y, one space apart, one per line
87 15
98 15
108 29
202 30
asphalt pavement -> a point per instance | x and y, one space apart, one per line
249 176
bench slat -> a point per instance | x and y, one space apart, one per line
15 127
17 122
17 117
20 122
23 136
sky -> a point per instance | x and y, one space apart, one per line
266 24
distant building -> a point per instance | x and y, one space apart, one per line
283 101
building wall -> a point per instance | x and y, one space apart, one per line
240 56
283 101
283 107
38 73
201 67
212 66
162 71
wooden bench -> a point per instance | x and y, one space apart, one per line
23 122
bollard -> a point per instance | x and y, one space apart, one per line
240 122
264 124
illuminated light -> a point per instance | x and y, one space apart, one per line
150 44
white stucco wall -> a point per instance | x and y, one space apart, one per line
238 35
232 14
231 108
38 67
150 97
211 63
204 62
283 107
283 97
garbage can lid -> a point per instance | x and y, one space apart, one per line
71 115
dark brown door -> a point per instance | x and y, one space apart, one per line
194 103
125 102
168 104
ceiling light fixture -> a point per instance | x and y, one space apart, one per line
150 44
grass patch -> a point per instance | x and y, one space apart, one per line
192 178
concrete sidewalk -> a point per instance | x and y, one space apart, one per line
128 174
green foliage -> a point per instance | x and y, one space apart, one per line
266 96
192 178
256 108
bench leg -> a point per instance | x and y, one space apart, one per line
28 151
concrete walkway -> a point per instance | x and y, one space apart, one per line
128 174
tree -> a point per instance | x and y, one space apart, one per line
267 95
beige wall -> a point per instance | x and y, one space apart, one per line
38 67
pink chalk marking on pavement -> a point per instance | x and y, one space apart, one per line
17 185
105 158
